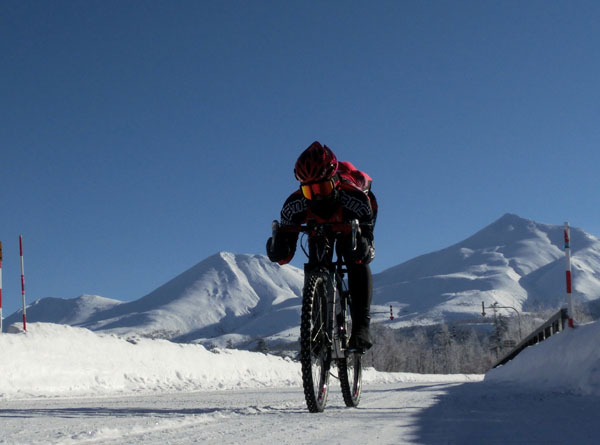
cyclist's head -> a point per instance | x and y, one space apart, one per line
315 169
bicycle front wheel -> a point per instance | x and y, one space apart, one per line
315 354
350 372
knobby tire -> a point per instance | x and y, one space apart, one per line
350 373
315 353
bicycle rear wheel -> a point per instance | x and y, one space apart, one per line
315 353
350 372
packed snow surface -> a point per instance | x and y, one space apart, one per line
70 385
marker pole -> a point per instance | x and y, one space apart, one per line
0 287
23 283
568 272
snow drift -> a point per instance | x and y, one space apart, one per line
59 360
566 362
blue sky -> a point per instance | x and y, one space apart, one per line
138 138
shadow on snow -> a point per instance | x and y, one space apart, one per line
484 412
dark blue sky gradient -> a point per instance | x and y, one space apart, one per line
138 138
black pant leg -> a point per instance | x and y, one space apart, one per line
360 284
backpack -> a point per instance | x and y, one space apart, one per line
349 174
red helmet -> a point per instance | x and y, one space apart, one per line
316 163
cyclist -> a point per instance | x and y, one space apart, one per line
327 197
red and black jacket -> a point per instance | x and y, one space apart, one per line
348 203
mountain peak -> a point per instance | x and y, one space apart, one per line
233 259
508 229
511 218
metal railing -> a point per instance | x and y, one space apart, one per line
555 324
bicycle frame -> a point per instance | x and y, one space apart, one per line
325 300
322 237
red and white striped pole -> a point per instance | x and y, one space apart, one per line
23 282
568 272
0 287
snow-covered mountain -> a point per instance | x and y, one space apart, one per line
71 311
225 297
241 298
514 261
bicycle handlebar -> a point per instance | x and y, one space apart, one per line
352 228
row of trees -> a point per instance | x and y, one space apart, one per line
430 350
460 348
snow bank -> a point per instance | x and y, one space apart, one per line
567 362
59 360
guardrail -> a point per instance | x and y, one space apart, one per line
554 325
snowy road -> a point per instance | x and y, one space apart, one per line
425 413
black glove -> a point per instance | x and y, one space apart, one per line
364 253
278 251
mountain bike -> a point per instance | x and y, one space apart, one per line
325 324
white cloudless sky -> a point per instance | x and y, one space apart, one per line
138 138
